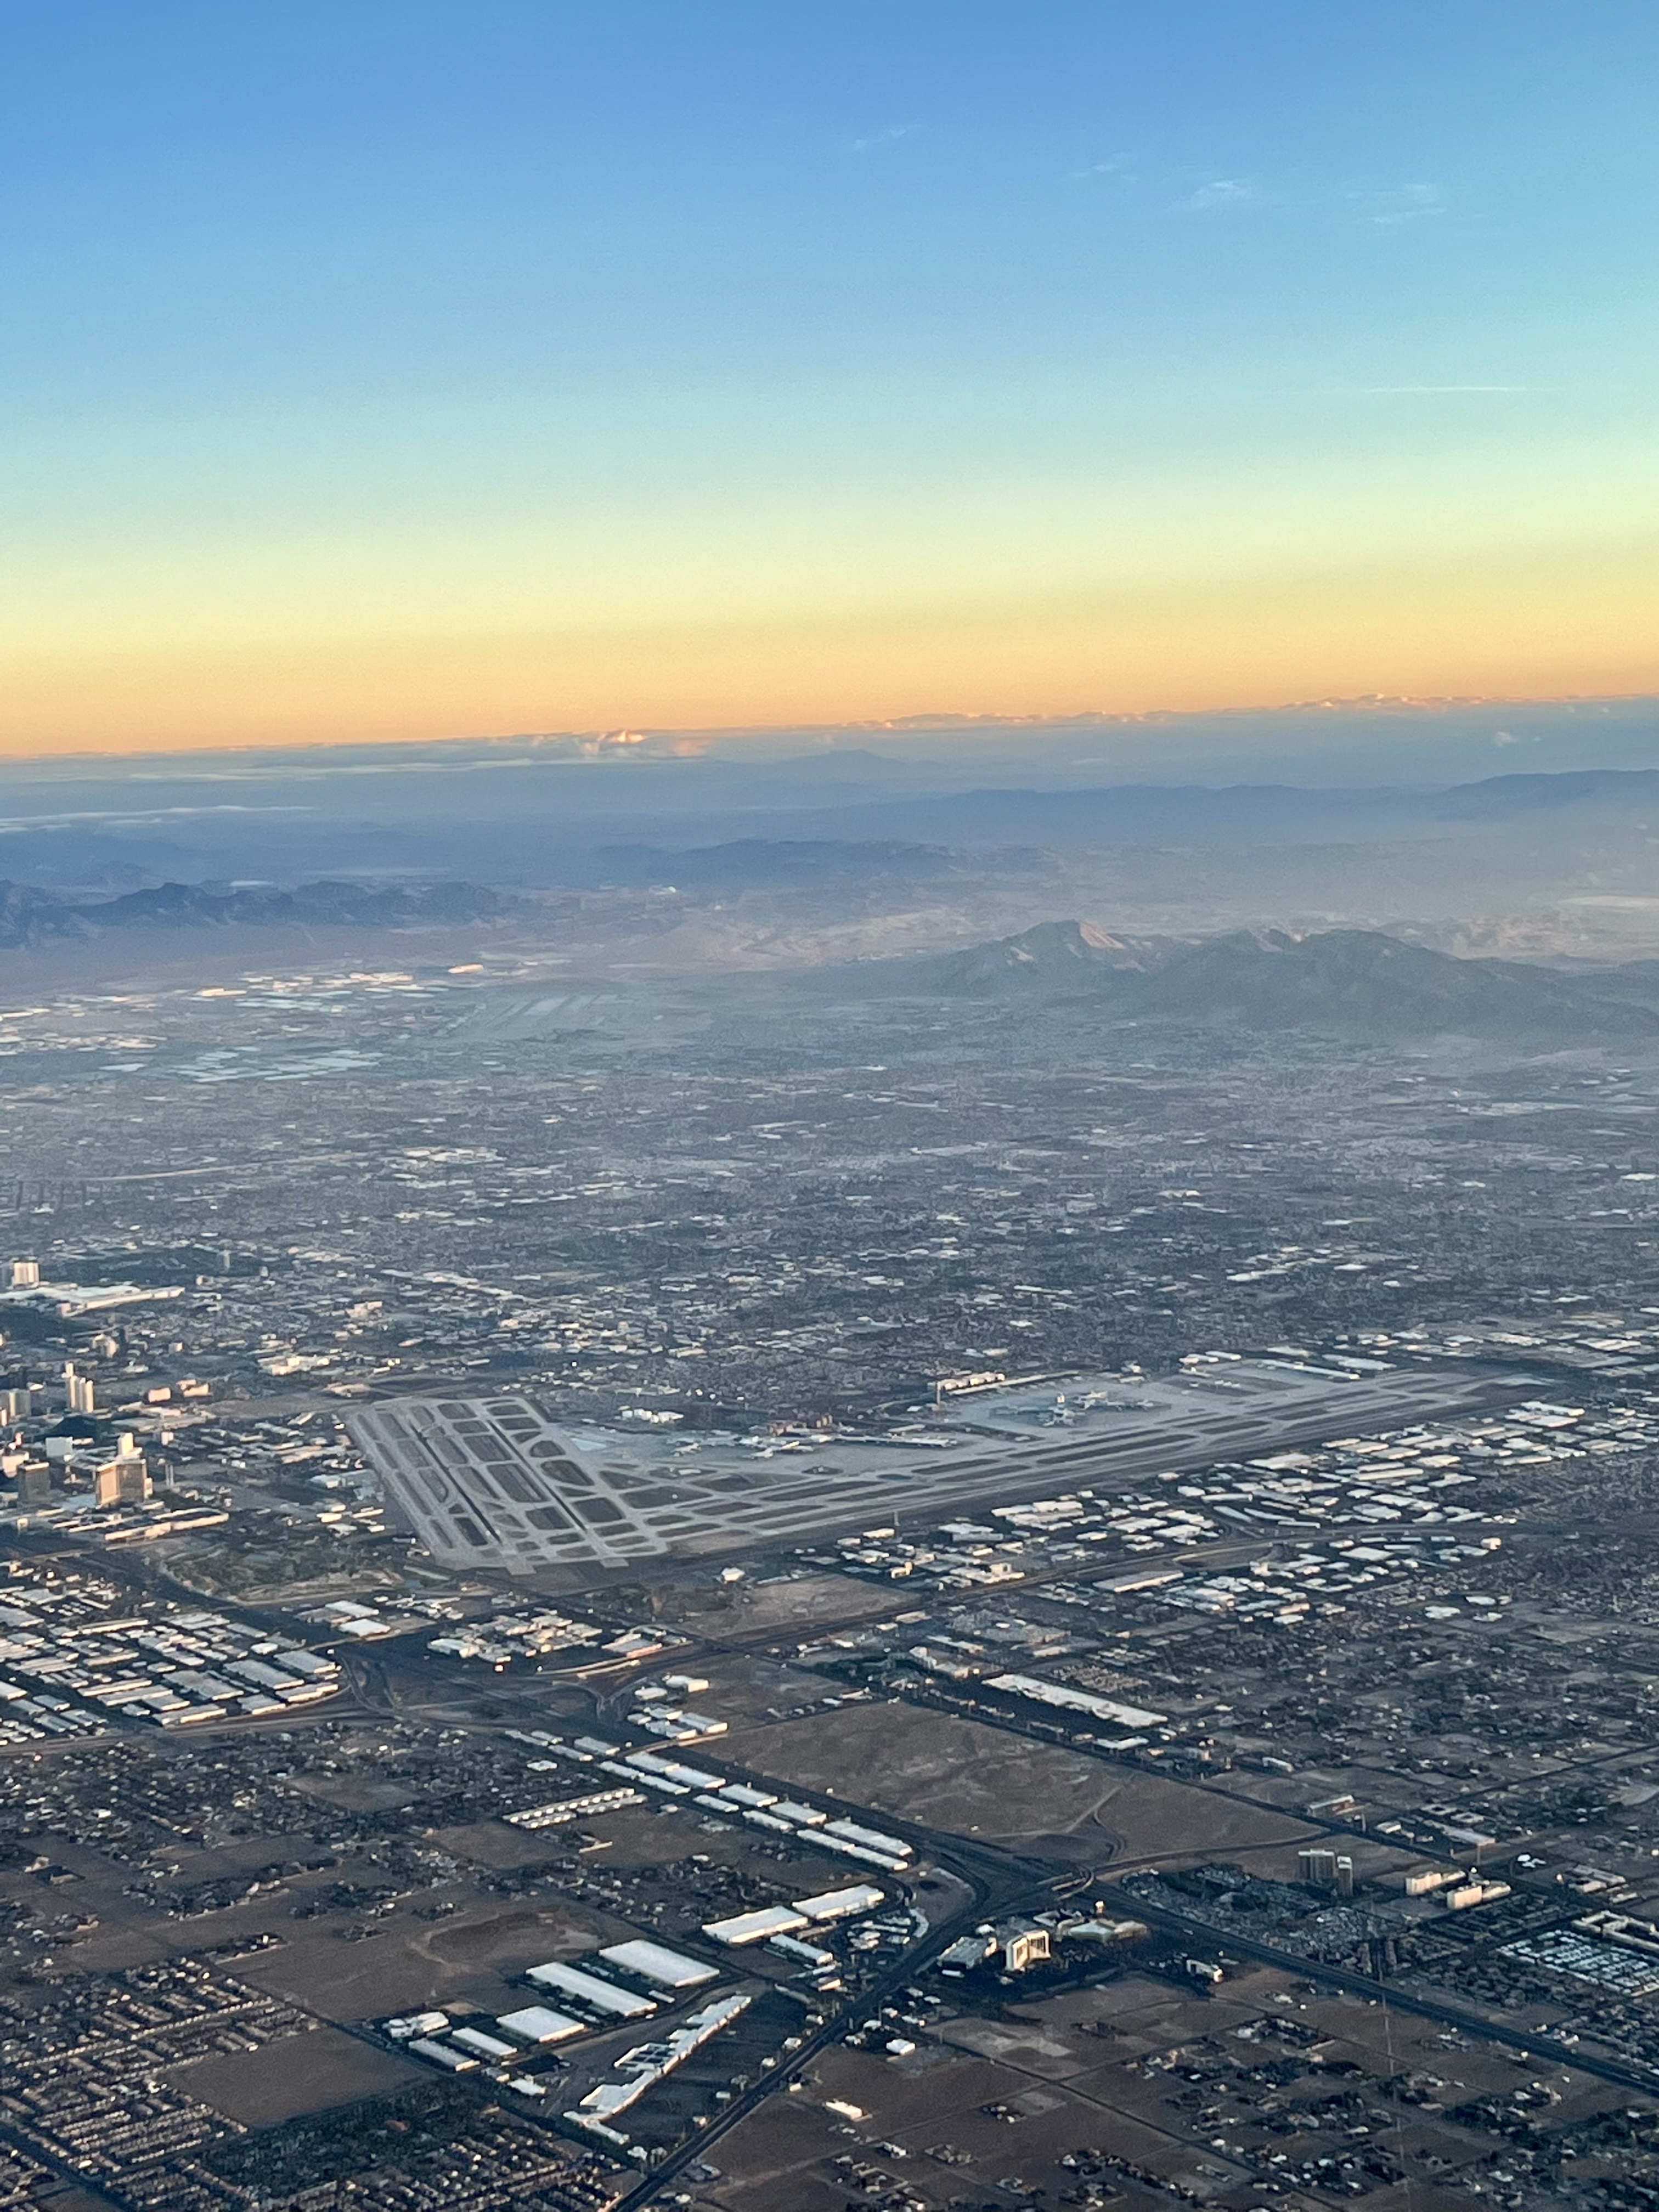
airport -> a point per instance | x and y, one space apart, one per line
493 1483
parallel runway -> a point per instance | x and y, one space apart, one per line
491 1483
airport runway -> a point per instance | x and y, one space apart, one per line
491 1483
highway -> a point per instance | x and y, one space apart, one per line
1208 1941
1001 1885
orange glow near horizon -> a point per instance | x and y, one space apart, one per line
1519 629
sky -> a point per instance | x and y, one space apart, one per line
380 371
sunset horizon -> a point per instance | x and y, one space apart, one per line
374 381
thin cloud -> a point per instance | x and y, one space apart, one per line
891 136
1396 205
1224 192
1118 165
1422 391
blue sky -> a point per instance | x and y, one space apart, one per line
384 370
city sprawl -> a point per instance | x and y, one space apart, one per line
695 1592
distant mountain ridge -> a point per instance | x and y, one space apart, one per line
1270 813
768 863
1354 983
529 815
31 916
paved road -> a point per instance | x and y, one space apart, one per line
988 1904
1207 1940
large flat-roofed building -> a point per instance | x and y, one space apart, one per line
757 1927
539 2024
654 1963
842 1903
588 1990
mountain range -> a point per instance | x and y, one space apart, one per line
32 917
532 814
1361 985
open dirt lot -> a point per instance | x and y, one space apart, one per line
1110 2068
298 2073
957 1774
744 1609
474 1959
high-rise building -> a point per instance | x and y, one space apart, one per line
125 1479
1318 1867
34 1482
25 1274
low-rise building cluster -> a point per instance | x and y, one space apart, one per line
77 1653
